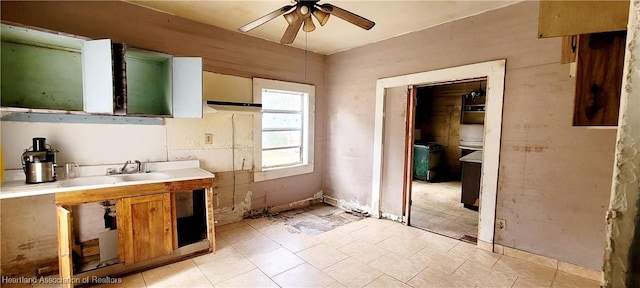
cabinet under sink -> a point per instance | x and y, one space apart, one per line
155 223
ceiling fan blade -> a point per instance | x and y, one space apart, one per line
292 31
266 18
345 15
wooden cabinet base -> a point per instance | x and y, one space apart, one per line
147 229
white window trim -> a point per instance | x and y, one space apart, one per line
307 138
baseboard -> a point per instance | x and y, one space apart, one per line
531 257
297 205
348 206
581 271
550 262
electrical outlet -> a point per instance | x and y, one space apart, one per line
208 138
501 224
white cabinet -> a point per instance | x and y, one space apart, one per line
147 83
97 75
187 87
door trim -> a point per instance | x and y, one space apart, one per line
494 71
408 152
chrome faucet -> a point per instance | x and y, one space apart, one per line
124 168
138 166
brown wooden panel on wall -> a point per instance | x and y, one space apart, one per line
564 18
599 79
569 49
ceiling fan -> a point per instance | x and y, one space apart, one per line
300 13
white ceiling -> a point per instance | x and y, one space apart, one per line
392 18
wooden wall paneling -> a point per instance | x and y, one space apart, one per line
563 18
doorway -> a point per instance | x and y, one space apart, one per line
448 133
494 72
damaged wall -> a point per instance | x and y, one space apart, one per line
622 256
232 137
554 178
223 52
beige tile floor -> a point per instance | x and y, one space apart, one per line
436 207
297 252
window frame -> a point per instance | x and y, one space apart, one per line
308 115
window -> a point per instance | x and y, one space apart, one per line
284 131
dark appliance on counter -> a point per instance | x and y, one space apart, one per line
39 163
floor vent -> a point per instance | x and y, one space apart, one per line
469 239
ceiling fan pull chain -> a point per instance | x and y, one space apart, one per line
305 55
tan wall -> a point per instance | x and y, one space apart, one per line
223 52
554 179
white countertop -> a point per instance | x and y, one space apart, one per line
474 157
175 170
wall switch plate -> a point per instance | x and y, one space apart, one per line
501 224
208 138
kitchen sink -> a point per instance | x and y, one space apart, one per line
91 180
113 179
142 176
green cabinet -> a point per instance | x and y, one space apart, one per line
48 71
40 70
147 83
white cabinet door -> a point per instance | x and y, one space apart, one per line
97 77
187 87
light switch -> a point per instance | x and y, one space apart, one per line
208 138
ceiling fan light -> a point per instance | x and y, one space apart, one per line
291 17
322 17
308 25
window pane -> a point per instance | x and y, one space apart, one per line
281 157
281 100
277 139
281 121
